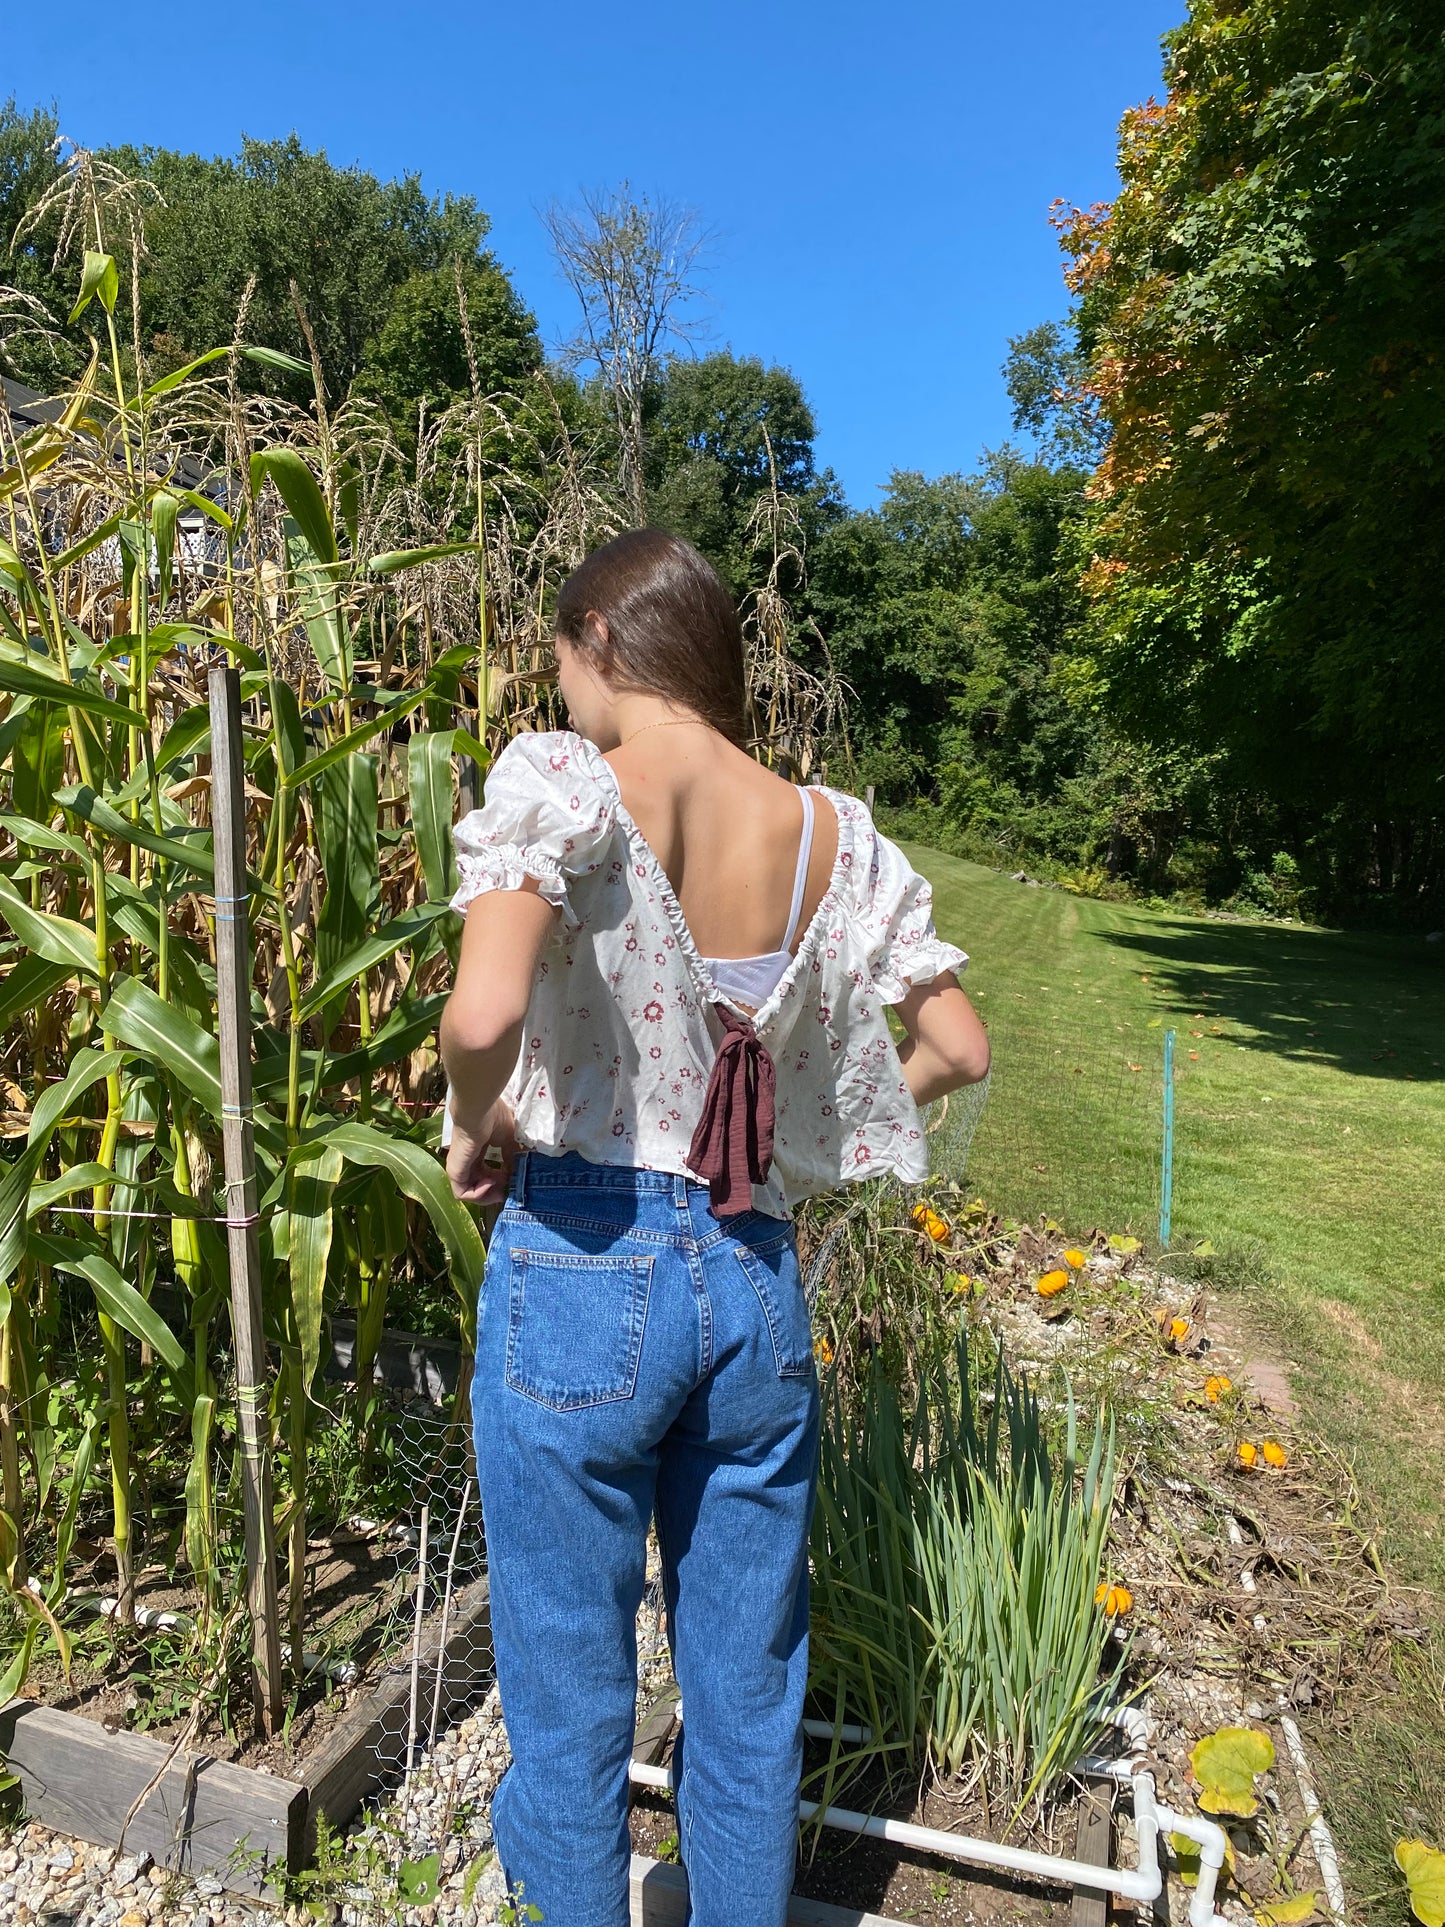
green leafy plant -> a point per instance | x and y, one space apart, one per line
956 1565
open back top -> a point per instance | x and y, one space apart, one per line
750 980
622 1031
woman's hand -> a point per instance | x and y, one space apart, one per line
479 1162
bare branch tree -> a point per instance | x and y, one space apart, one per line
632 265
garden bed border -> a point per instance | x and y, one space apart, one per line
81 1779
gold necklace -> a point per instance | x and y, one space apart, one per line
672 722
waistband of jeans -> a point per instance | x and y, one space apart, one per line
537 1171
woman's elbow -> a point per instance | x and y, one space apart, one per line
971 1059
476 1030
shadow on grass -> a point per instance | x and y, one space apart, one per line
1372 1006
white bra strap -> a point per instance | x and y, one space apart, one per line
805 850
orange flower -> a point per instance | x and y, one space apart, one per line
823 1352
1114 1598
1275 1454
1052 1283
927 1219
1215 1388
959 1282
1178 1329
1075 1259
1248 1453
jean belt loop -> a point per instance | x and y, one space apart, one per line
519 1177
679 1193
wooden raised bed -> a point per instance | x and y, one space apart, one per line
238 1824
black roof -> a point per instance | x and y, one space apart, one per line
28 410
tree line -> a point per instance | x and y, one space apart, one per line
1180 638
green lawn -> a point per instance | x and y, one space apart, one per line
1310 1135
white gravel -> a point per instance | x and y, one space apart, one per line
50 1879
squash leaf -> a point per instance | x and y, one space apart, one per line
1226 1764
1424 1869
1288 1913
1188 1854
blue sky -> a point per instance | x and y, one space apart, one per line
878 176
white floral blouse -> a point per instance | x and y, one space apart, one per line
621 1037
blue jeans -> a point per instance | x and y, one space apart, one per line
637 1359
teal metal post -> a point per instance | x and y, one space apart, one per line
1166 1171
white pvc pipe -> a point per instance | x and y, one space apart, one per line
150 1619
1144 1884
1321 1839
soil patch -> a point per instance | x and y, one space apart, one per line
851 1871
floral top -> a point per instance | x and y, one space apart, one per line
621 1035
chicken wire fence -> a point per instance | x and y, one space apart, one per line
410 1643
1073 1122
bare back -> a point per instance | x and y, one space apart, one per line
726 833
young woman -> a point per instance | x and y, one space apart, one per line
668 1026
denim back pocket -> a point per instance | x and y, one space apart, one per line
574 1333
773 1272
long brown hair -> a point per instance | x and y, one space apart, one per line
672 627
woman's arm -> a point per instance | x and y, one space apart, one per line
481 1030
946 1045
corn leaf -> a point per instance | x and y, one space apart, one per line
300 491
346 809
27 987
27 679
116 1298
165 507
358 738
395 560
422 1178
191 849
405 929
310 1188
98 279
56 1100
321 611
59 940
429 785
267 357
137 1015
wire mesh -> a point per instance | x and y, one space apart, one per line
1068 1124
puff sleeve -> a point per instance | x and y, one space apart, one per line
894 917
544 815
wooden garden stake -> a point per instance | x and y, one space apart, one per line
233 1023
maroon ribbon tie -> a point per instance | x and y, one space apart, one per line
732 1147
